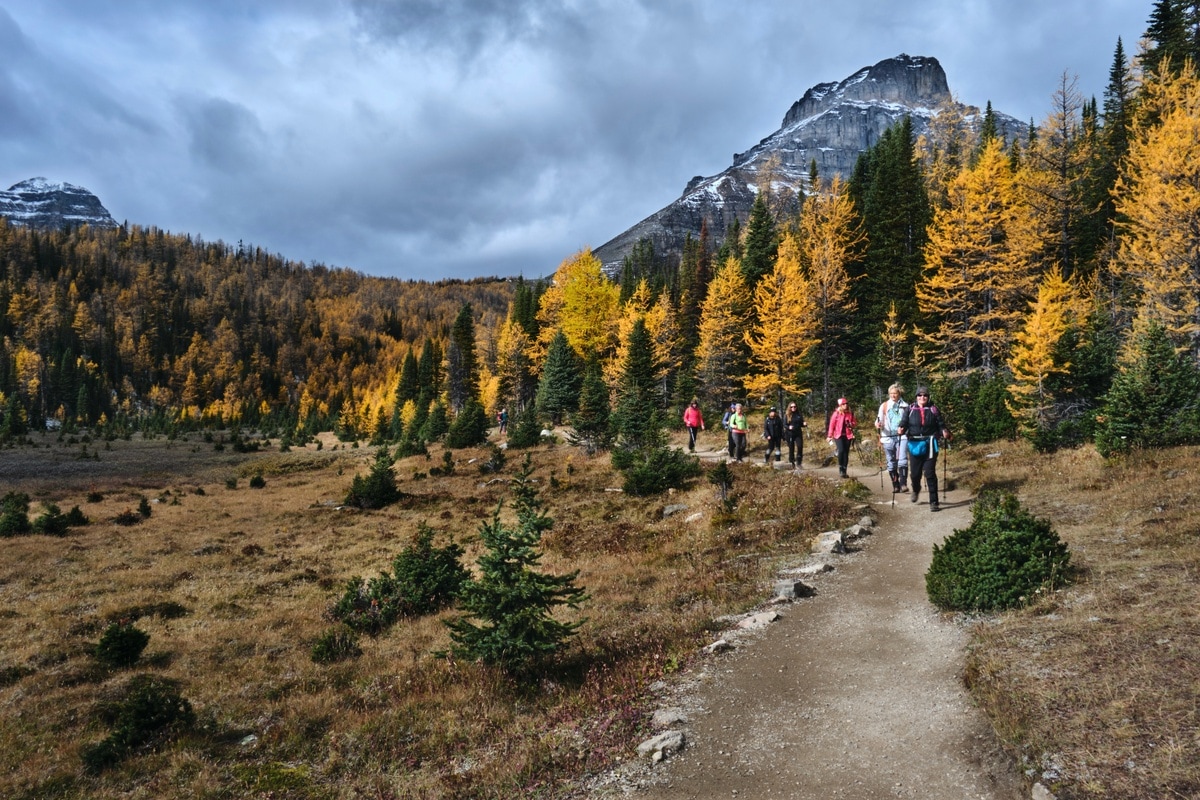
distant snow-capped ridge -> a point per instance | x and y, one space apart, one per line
39 203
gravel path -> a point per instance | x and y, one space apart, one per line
855 693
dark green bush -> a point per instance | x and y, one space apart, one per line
654 470
76 518
336 644
1000 561
257 481
494 462
525 430
52 522
14 514
150 708
424 579
144 508
378 488
121 644
470 427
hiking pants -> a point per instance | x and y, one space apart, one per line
895 450
796 449
843 453
737 445
925 465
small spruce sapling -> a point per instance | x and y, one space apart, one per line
509 619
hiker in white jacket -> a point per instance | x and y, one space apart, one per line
887 422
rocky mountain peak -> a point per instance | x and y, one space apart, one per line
831 124
39 203
911 81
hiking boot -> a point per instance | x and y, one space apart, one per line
934 507
916 494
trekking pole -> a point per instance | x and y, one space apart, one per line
945 480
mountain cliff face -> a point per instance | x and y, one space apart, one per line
38 203
832 123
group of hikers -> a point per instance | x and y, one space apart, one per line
910 434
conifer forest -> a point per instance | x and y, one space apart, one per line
1037 284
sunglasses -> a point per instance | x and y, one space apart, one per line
922 394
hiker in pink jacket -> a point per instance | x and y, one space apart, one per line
841 433
693 420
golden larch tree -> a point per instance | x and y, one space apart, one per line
724 318
784 333
1158 203
831 237
1034 359
584 303
984 253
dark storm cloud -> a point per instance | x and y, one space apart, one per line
457 137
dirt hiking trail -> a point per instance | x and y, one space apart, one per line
855 693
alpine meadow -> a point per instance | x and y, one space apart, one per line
282 530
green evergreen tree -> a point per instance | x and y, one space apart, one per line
641 452
762 242
889 189
1155 397
436 424
409 385
558 389
524 430
508 620
429 367
378 488
591 420
470 427
462 369
1167 32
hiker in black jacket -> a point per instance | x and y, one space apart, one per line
773 433
794 425
925 428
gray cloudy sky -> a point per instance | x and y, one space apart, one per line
455 138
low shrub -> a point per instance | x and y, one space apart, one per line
52 522
378 488
127 517
257 481
14 514
654 470
1001 560
336 644
494 462
121 644
149 709
144 508
424 579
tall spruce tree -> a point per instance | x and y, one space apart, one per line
890 192
462 369
762 241
558 390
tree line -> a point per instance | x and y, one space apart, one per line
1031 280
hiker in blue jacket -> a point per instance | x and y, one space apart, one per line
925 428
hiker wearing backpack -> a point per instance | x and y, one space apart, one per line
925 429
895 447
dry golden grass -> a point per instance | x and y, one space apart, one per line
1097 688
257 569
